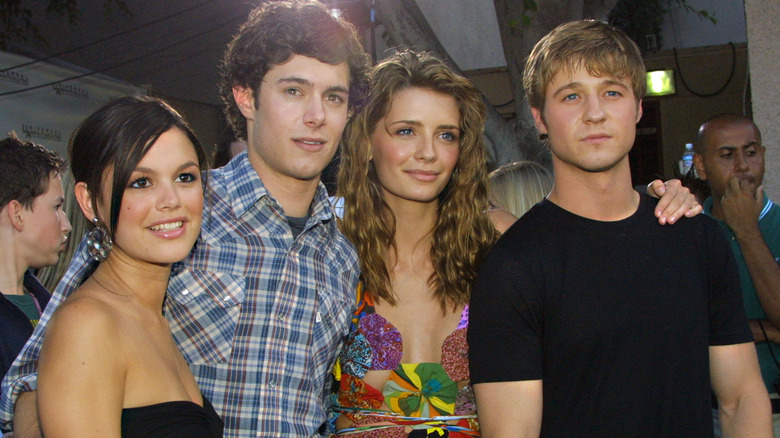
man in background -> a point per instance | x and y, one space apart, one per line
729 156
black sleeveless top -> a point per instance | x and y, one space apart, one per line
175 419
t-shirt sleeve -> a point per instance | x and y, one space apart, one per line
728 323
505 321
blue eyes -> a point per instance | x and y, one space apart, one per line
446 136
611 93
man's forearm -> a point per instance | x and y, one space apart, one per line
772 332
26 416
764 271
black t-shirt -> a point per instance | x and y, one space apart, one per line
615 317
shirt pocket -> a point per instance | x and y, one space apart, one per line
203 309
336 304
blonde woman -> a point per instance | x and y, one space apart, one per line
518 186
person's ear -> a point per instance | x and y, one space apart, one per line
698 163
639 111
539 121
85 200
14 210
245 100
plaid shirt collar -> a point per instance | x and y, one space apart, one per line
244 188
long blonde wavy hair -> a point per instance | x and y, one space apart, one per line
462 234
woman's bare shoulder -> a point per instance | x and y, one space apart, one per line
85 316
501 219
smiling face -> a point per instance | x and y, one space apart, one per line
730 149
160 216
46 226
296 125
415 147
590 121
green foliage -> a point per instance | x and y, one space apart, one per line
16 19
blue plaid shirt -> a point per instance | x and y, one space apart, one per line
258 315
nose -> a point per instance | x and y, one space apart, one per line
425 150
314 113
740 162
594 112
66 225
168 197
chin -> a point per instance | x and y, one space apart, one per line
169 257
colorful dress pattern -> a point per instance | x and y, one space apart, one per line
424 399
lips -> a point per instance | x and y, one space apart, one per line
423 175
310 143
596 138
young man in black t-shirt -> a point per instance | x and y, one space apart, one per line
589 318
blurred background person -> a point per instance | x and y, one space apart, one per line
227 148
518 186
50 276
729 157
33 232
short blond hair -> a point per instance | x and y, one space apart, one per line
602 49
518 186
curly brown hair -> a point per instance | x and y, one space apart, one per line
462 234
274 32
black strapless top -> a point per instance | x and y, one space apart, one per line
175 419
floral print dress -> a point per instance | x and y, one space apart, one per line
418 399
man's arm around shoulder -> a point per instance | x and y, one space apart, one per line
509 409
743 402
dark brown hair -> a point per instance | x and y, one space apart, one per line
116 137
274 32
25 170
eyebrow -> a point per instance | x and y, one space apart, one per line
180 168
416 123
746 145
577 85
308 83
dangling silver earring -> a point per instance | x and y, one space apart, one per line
98 241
